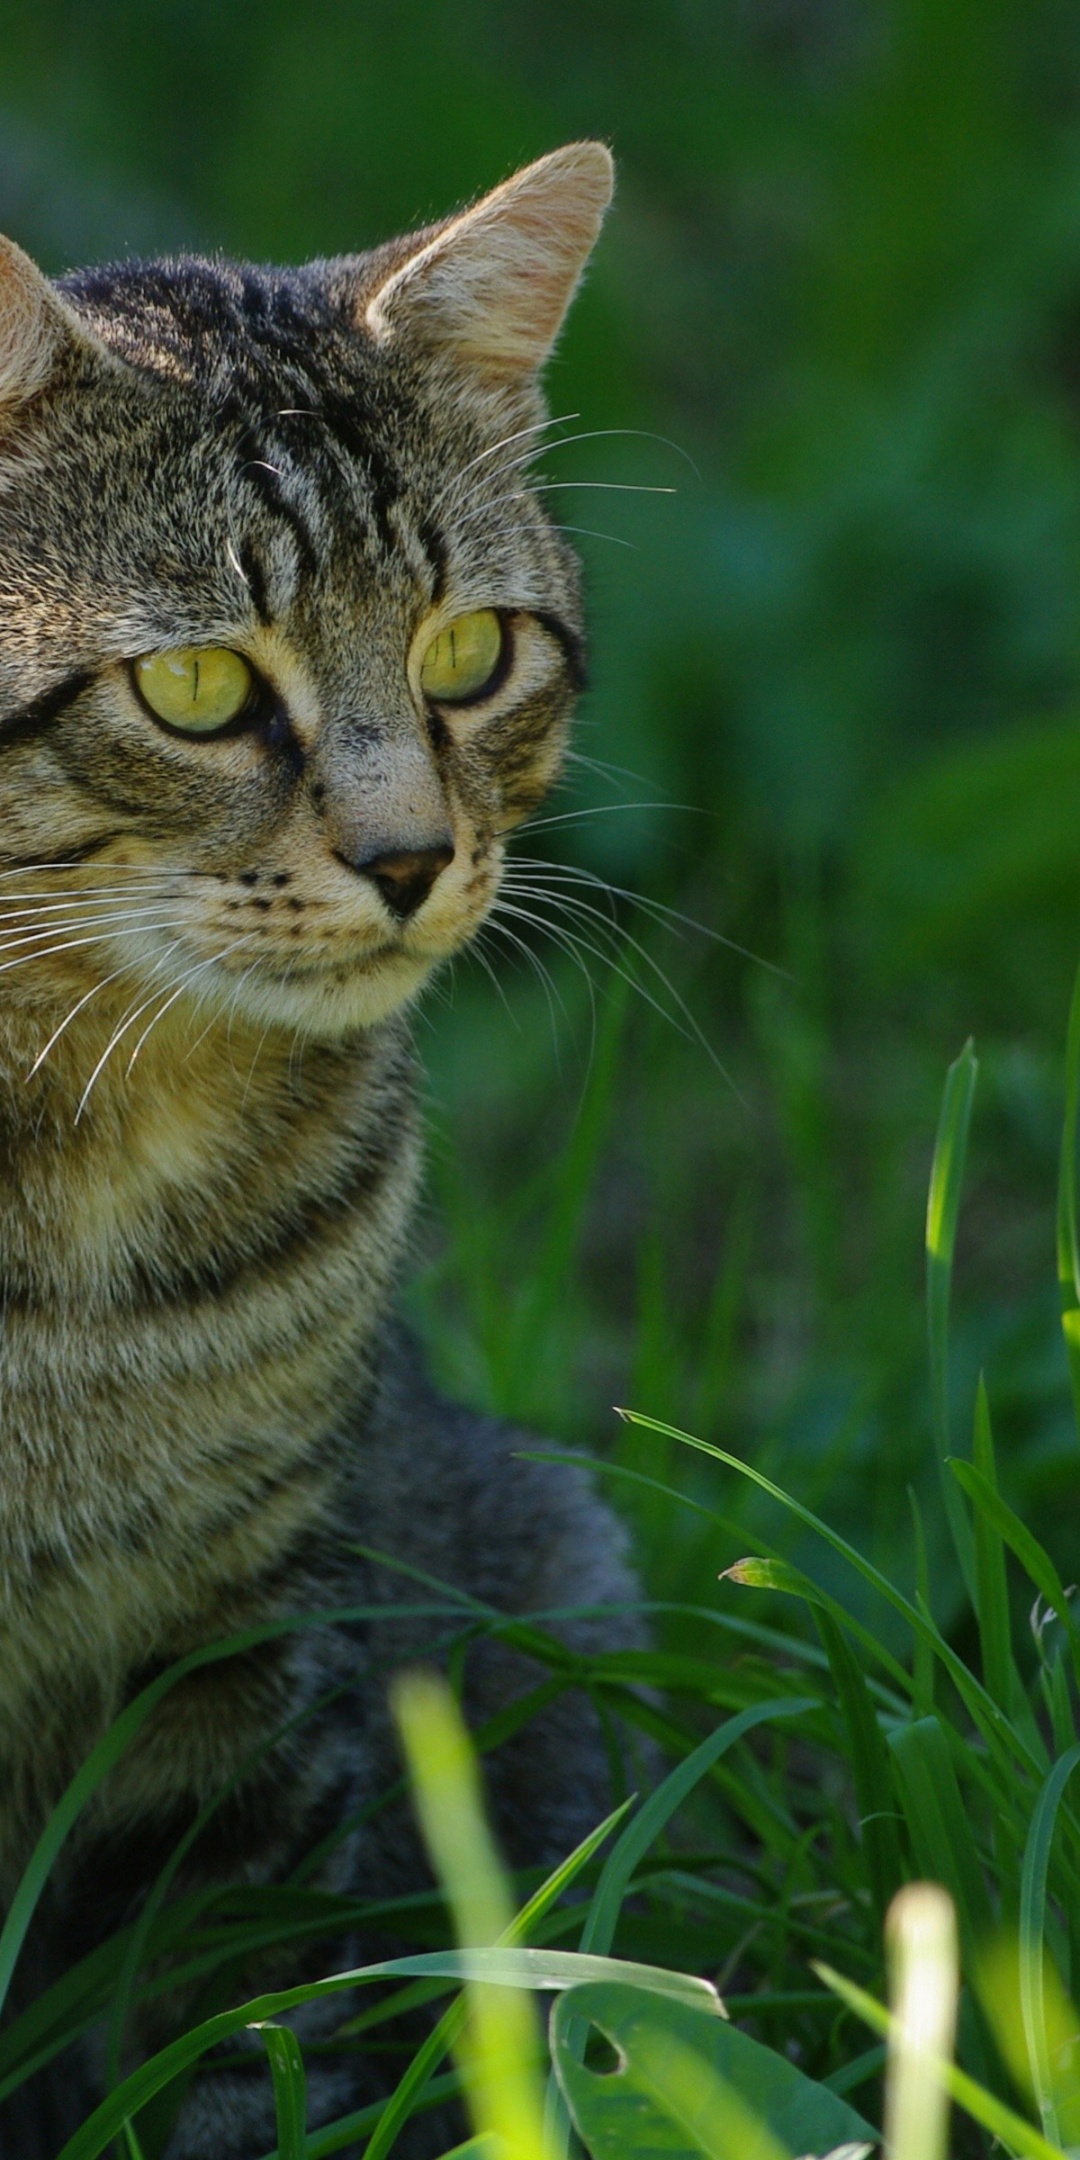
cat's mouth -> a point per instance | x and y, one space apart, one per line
328 996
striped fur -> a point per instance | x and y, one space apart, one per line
207 1105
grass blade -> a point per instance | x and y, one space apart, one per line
1033 1557
1000 1734
1068 1240
942 1213
618 1871
938 1821
991 1586
416 2079
290 2089
1015 2134
923 1987
622 1863
1032 1938
874 1793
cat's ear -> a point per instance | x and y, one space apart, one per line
36 328
493 285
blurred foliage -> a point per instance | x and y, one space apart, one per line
843 280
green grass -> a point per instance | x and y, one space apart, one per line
834 1724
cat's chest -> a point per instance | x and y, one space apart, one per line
181 1341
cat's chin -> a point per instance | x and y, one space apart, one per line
327 1003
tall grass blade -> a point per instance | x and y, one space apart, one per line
534 1969
874 1792
1032 1940
498 2046
1068 1238
938 1821
642 1832
991 1586
416 2079
922 1666
290 2089
1033 1557
942 1213
622 1862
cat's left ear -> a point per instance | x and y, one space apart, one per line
492 286
36 328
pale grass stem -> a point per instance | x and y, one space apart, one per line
498 2050
920 1935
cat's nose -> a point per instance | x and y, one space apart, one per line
405 876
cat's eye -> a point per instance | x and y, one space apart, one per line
463 660
198 689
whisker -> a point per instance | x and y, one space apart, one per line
98 937
538 428
484 505
76 1009
40 933
610 487
661 913
496 924
129 1022
605 770
204 1032
559 442
614 809
59 897
476 952
562 442
30 869
691 1030
551 988
590 532
185 984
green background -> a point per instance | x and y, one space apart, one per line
840 291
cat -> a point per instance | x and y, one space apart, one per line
288 646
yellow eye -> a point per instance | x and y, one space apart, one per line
196 688
461 662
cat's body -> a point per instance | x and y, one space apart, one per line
304 484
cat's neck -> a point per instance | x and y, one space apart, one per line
138 1176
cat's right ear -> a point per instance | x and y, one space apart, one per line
36 328
492 286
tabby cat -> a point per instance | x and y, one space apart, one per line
288 646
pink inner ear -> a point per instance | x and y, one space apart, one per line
495 284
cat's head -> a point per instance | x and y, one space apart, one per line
287 642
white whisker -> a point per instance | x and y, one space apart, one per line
538 428
667 917
185 984
134 870
690 1029
41 934
98 937
119 1032
590 532
76 1009
562 442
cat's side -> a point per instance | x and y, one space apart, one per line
287 646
